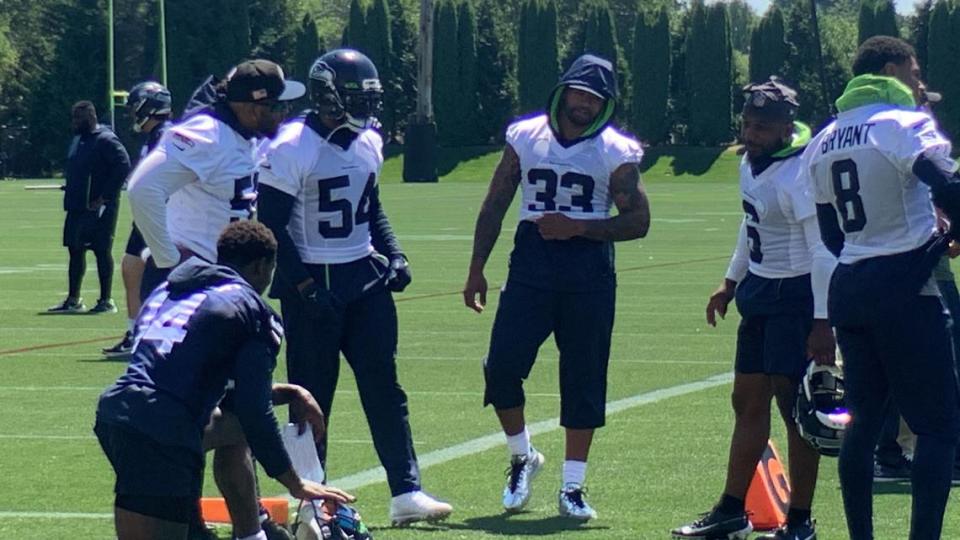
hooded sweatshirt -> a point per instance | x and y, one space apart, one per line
203 331
571 177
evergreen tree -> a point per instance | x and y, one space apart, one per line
496 85
446 71
718 78
354 33
537 53
742 22
401 88
307 49
273 30
650 67
768 47
943 64
919 26
469 104
877 18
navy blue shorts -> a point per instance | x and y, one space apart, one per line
147 470
777 315
135 244
87 229
581 324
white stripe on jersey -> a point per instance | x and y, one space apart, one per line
330 219
574 181
862 164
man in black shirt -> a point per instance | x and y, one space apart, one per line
97 164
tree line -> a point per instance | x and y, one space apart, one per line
681 63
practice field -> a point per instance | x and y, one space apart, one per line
659 462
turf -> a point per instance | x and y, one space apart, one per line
653 466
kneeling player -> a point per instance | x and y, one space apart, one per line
203 331
779 275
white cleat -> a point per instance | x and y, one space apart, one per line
522 471
572 504
417 506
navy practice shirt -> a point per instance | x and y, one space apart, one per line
203 332
97 164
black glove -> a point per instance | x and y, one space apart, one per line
400 275
320 303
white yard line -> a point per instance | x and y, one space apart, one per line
443 455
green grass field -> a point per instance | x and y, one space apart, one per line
658 463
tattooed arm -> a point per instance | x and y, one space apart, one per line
632 220
503 187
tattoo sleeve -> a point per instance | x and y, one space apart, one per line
503 187
633 218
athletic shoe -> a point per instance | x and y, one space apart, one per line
802 531
417 506
571 504
716 525
521 472
898 472
103 306
955 481
68 307
122 349
275 531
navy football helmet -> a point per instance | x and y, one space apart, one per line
345 84
148 100
820 413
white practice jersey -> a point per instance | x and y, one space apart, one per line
862 164
199 178
330 219
775 205
779 237
574 181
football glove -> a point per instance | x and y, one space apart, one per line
400 275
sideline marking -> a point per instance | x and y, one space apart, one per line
443 455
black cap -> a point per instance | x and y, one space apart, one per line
772 100
256 80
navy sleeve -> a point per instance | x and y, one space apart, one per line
273 210
381 233
118 167
253 387
830 231
944 187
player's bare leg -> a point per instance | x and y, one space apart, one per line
751 431
804 462
131 268
135 526
512 420
233 471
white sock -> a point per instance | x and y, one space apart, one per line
574 472
131 323
259 536
519 444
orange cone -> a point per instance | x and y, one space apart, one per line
768 498
214 509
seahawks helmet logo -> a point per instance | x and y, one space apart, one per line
322 72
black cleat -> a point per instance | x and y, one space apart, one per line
68 307
897 472
104 305
275 531
122 349
802 531
715 525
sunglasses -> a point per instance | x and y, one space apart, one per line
274 106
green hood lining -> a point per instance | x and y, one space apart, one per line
801 137
869 89
602 119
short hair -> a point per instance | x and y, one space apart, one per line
84 105
876 52
244 242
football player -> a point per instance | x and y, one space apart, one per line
778 275
205 329
149 106
878 171
573 165
201 176
339 262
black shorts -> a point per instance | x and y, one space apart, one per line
136 243
149 473
85 229
777 316
581 323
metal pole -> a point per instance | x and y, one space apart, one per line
163 43
425 71
110 62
